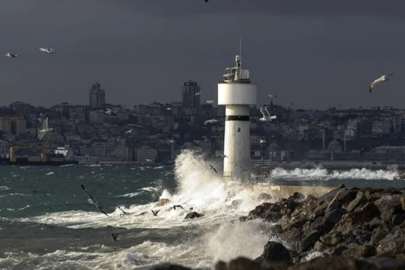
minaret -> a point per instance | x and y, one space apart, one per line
237 93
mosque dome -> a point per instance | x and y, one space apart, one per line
334 146
273 147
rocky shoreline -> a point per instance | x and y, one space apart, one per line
347 228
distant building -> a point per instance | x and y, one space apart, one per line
146 155
96 95
13 125
21 108
191 94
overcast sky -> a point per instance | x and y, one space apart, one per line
313 53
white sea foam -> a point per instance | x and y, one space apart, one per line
130 195
217 238
323 174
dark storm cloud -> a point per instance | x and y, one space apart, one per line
274 7
310 52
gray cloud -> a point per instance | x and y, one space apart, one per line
142 51
270 7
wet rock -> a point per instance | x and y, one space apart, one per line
327 223
355 223
238 264
324 263
193 215
379 233
386 248
359 200
275 252
384 263
298 196
265 197
308 240
319 211
330 195
343 197
358 252
403 203
372 224
389 206
276 229
398 219
170 267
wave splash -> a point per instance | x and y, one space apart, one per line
323 174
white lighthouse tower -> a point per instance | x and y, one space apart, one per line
237 93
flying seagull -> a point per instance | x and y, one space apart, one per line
177 206
93 200
128 131
45 129
383 78
272 96
266 114
114 236
11 55
47 50
212 167
123 212
110 111
210 121
155 212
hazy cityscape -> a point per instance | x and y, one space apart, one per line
156 133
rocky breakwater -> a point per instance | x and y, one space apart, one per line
347 228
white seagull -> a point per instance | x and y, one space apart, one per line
383 78
11 55
110 111
211 121
272 96
129 131
266 114
210 101
45 129
47 50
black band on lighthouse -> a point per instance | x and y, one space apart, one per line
237 118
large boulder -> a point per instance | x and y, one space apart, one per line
389 206
275 252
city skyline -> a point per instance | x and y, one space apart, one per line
314 55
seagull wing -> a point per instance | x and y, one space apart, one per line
93 200
370 89
267 112
262 111
41 135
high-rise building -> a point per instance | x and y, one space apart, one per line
96 95
21 108
191 94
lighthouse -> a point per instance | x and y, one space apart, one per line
237 93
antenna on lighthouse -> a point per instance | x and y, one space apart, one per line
240 50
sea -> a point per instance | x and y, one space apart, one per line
48 222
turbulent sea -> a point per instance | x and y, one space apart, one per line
47 222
